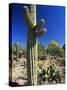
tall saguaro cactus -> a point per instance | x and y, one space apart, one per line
34 32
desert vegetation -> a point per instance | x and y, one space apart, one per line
36 64
50 64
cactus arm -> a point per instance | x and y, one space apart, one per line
28 17
40 32
39 25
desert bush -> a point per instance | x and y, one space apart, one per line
51 57
41 51
40 63
17 49
61 61
50 74
55 49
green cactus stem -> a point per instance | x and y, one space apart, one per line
28 17
34 32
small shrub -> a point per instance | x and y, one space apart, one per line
50 74
55 49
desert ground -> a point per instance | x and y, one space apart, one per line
19 70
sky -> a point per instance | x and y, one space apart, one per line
54 23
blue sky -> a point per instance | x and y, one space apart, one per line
54 22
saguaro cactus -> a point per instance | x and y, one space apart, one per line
33 33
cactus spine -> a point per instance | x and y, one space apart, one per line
33 33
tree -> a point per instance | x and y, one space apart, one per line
54 49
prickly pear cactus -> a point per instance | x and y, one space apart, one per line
34 31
